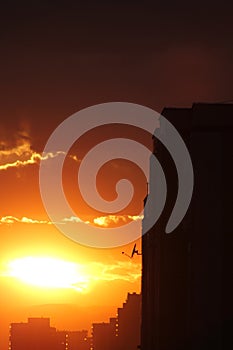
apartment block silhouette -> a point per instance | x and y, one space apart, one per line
37 334
187 284
122 332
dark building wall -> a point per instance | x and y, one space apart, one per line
186 280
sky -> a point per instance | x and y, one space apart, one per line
57 59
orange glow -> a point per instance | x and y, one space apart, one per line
48 272
42 272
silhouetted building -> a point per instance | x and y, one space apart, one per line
187 274
129 323
36 334
61 340
120 333
78 340
104 335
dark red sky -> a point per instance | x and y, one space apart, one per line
58 58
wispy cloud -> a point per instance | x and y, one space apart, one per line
108 220
103 221
128 271
22 155
74 219
24 220
9 219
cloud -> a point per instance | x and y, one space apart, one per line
108 220
34 159
24 220
22 155
9 219
103 221
74 219
128 271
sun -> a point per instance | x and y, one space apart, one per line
46 272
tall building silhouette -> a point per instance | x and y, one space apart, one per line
104 335
186 275
120 333
129 323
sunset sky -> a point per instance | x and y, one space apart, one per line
55 61
41 270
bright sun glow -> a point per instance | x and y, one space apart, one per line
48 272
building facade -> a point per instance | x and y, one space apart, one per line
186 275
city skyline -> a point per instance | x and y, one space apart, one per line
122 329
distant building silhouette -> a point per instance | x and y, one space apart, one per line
104 335
187 275
61 340
78 340
37 334
129 323
120 333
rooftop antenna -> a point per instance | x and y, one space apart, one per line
134 251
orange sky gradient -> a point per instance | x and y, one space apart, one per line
103 277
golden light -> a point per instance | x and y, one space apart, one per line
46 272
